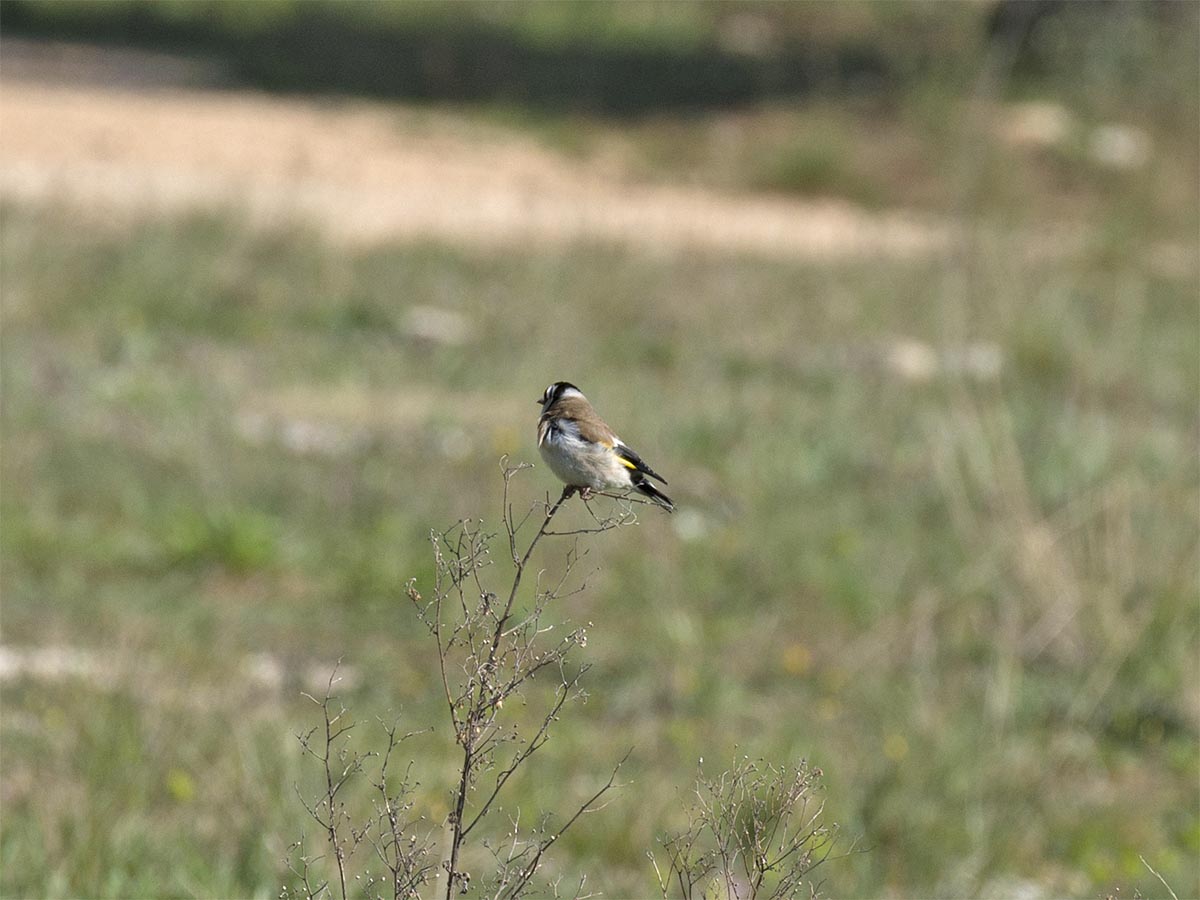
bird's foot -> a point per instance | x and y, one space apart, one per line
585 494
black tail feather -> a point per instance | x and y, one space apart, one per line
645 487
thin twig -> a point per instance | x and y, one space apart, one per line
531 868
1159 877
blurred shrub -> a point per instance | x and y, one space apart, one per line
638 56
624 58
241 540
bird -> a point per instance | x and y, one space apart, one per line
585 453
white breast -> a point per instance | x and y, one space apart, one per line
579 462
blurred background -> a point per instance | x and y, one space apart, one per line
901 297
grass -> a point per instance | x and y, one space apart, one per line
869 571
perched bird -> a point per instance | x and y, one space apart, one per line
585 453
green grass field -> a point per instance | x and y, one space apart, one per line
972 604
938 530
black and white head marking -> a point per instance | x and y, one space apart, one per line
557 391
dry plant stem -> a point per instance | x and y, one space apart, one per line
304 873
489 646
334 782
331 792
1159 877
469 745
560 698
404 861
526 872
523 562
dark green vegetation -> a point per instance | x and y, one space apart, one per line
615 59
623 59
971 601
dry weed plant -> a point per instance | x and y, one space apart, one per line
391 829
757 831
490 646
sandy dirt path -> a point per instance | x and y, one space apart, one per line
365 173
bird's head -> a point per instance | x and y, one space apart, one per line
556 392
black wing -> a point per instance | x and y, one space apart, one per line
635 462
